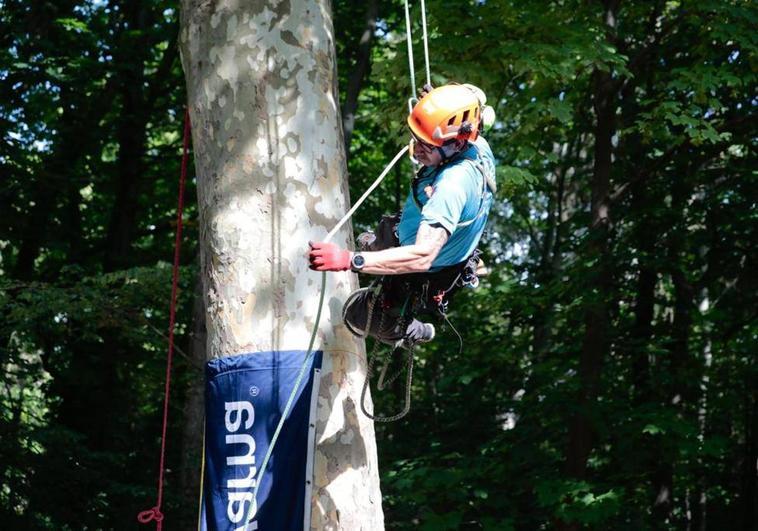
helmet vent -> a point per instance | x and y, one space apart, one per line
465 116
451 120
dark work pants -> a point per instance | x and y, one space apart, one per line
387 323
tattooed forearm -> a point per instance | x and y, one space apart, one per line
414 258
432 238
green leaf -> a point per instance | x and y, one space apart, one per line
73 24
560 110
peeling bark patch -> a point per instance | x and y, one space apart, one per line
292 142
289 38
231 27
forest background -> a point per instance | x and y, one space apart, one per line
608 377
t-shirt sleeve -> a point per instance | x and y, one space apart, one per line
445 207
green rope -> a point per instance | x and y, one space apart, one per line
290 400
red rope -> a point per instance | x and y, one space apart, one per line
155 513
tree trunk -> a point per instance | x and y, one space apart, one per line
194 408
358 74
700 509
75 128
131 135
683 373
550 261
270 160
596 342
644 205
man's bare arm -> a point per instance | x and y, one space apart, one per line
416 258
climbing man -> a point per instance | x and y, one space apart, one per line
432 250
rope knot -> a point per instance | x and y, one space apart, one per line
145 517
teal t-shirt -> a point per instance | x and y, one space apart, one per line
459 195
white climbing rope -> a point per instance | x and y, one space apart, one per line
426 44
409 40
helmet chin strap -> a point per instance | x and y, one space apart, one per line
443 154
447 152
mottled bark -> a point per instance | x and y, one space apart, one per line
270 160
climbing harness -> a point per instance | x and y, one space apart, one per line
422 292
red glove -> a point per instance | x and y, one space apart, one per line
325 256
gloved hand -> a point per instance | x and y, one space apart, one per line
325 256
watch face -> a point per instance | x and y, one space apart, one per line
358 261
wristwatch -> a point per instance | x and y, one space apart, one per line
357 262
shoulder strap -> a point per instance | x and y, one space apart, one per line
488 182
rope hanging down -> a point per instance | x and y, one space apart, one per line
155 513
409 40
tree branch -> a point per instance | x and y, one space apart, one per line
164 68
645 173
653 42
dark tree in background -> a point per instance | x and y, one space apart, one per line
91 117
608 377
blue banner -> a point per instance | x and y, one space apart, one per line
244 399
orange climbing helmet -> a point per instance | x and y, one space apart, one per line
445 114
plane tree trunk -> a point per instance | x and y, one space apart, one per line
270 161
